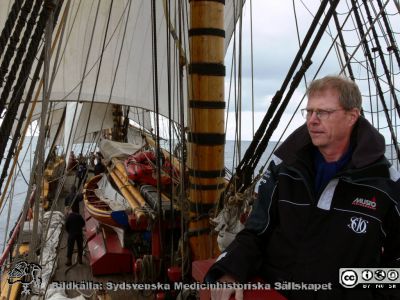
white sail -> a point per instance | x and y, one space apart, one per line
127 64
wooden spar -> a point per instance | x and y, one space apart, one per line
133 197
206 136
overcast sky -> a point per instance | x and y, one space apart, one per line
275 45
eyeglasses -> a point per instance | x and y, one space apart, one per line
321 114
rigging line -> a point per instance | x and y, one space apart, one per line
366 48
182 196
243 165
342 42
252 67
383 62
15 161
168 29
377 108
392 114
355 28
328 32
379 76
9 24
363 38
234 82
239 100
172 31
48 14
389 30
98 71
8 57
53 145
396 125
23 113
383 92
397 3
370 97
48 122
157 129
382 30
8 215
229 95
14 42
298 35
336 45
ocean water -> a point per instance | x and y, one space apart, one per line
12 209
15 196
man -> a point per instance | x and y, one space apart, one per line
73 226
330 201
81 172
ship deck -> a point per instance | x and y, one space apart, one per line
91 287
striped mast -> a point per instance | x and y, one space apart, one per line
206 136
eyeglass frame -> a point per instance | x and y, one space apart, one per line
307 113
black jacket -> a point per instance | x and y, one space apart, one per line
295 234
74 224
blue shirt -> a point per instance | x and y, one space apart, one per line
325 171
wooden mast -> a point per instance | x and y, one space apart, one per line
206 134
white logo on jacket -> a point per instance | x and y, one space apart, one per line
358 225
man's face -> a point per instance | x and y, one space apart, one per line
333 130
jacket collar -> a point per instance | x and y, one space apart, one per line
367 142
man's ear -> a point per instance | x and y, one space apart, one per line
353 114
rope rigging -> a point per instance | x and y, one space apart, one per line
167 5
393 45
343 44
298 35
157 129
16 97
378 86
383 62
16 138
9 25
253 154
22 21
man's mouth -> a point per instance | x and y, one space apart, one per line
316 132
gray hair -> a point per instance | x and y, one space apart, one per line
349 93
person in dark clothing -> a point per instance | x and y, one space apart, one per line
81 172
73 226
73 199
329 200
99 167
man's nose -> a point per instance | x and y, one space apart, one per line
313 118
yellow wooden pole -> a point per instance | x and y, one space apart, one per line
206 134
